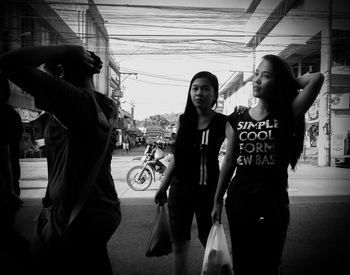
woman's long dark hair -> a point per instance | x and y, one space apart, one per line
189 119
285 92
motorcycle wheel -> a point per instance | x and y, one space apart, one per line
144 181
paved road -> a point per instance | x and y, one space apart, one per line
318 239
307 180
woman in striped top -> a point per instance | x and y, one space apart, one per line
193 173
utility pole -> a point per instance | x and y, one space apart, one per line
132 104
254 53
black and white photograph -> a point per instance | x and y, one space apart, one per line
175 137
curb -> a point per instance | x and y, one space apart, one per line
114 158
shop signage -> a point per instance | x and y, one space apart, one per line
340 101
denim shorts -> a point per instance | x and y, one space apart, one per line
183 204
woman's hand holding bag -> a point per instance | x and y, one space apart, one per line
217 259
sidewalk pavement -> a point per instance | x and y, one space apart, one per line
318 240
317 243
117 154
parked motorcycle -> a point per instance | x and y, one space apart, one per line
140 177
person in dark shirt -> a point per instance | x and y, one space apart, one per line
193 172
75 137
10 139
14 249
263 141
14 131
6 189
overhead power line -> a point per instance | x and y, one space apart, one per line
155 75
171 8
157 83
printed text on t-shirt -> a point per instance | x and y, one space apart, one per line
256 142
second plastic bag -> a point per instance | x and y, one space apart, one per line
159 243
217 259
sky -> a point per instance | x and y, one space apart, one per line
165 46
163 43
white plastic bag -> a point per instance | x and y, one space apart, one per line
217 259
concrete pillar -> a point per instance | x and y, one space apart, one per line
300 66
14 28
323 138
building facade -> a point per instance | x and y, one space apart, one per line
311 36
34 23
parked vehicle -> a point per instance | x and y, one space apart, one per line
140 177
153 133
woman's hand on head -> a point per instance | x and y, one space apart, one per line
82 57
240 109
97 63
311 85
88 62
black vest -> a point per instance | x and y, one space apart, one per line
201 165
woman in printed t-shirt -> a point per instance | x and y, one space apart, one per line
263 142
193 172
75 137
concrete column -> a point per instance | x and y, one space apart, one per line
323 138
300 65
14 27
